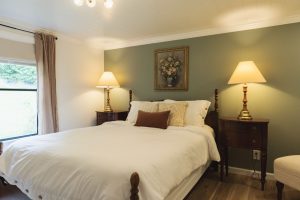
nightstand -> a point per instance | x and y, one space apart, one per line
251 135
110 116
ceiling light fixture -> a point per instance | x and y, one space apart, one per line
92 3
108 3
78 2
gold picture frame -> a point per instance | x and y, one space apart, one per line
171 68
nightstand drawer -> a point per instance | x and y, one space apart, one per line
110 116
244 127
256 141
241 134
248 127
243 139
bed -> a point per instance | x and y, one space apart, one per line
113 161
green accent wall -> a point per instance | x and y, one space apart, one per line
212 60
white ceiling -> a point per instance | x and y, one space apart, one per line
133 22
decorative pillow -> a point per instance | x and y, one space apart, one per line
177 112
145 106
195 112
153 119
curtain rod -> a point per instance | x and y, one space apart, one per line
4 25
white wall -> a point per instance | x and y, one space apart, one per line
16 50
78 68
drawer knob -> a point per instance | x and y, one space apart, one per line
253 141
254 128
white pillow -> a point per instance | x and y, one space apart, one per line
195 112
145 106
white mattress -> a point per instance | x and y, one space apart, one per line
183 189
96 162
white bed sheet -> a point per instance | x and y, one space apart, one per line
185 187
96 162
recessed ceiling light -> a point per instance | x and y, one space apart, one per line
78 2
91 3
108 3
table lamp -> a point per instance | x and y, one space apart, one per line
107 81
246 72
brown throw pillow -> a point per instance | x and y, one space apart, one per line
153 119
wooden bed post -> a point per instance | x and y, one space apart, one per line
216 127
212 119
134 181
1 148
216 100
134 178
130 98
215 165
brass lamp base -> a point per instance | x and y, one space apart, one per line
107 108
244 115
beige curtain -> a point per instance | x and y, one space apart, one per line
45 59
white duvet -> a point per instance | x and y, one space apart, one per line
96 163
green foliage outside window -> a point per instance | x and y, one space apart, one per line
12 73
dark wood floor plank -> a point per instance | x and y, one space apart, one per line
234 187
11 193
204 189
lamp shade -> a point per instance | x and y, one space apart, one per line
107 80
246 72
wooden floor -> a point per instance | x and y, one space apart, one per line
234 187
237 187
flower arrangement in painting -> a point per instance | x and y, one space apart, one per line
169 68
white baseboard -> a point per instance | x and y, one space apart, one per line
248 172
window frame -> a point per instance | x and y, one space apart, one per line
21 90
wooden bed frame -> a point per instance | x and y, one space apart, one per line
212 119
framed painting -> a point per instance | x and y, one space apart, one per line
171 68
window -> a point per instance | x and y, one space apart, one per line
18 100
